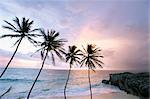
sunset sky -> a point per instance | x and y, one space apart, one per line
118 27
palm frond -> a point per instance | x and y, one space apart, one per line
58 54
17 41
56 35
83 61
42 54
99 56
92 64
98 64
16 20
34 35
11 26
34 42
61 40
52 32
76 57
77 51
97 49
29 23
37 51
10 35
62 51
53 59
43 34
97 60
38 29
84 48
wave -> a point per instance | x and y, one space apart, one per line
19 80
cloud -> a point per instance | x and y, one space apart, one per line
20 60
120 28
120 33
25 60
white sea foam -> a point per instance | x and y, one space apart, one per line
51 83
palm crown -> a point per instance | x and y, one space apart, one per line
21 30
72 55
91 57
51 44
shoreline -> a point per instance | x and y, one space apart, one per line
132 83
115 95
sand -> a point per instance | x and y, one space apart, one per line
121 95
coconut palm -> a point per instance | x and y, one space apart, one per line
72 56
90 58
49 47
21 30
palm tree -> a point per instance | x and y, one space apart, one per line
72 56
51 45
90 58
22 30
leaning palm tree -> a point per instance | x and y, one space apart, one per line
21 30
90 58
72 56
50 46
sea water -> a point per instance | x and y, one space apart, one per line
51 83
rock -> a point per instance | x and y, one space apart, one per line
133 83
105 81
139 84
145 91
119 79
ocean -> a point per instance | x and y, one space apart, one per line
51 83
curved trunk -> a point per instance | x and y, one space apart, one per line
11 58
37 75
90 82
67 83
8 90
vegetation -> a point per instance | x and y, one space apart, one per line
90 58
72 56
51 45
21 30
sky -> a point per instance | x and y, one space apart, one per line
118 27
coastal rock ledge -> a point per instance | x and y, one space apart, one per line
132 83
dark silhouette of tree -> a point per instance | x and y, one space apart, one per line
21 30
72 56
50 46
90 58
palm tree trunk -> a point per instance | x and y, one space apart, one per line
8 90
37 75
11 58
67 83
90 82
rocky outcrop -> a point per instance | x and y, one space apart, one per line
133 83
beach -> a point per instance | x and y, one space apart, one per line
121 95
